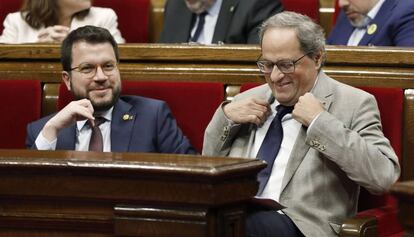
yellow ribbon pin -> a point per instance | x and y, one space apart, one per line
126 117
371 29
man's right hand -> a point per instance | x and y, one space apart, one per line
249 110
74 111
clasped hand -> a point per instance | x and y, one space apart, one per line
53 34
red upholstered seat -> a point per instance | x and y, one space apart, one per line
192 103
305 7
133 18
20 104
6 7
384 207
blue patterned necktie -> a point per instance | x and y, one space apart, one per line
200 26
271 145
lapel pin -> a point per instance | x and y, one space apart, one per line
127 117
371 29
232 9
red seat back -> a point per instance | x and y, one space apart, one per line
305 7
20 104
6 7
192 103
133 18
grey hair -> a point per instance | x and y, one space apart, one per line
310 35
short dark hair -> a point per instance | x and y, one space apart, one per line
89 34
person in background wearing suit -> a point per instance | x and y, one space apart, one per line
129 123
216 21
332 144
374 23
50 21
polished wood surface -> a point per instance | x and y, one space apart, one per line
59 193
404 191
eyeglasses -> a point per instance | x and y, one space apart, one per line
89 70
285 66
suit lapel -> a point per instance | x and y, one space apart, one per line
67 138
227 10
185 20
323 92
122 126
379 20
345 31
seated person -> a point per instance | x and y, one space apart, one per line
322 139
374 23
49 21
121 123
216 21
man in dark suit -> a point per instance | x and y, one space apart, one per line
124 123
374 22
225 21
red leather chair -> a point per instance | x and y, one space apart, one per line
20 104
6 7
133 18
377 215
192 103
305 7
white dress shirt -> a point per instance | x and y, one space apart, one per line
359 33
83 135
206 35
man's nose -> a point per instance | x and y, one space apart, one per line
100 75
276 74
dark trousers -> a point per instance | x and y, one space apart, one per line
263 222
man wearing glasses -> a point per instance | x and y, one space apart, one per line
322 139
99 119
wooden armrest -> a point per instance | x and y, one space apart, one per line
359 226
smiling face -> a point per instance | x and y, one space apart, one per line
199 6
356 10
282 44
101 88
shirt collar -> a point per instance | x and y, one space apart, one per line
215 8
371 14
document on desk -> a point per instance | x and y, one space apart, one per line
267 203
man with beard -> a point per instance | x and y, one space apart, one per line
216 21
374 23
126 123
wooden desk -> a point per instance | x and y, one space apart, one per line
66 193
404 191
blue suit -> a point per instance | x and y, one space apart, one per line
149 127
395 26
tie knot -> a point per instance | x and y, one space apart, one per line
98 121
203 14
282 110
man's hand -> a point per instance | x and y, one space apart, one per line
306 109
53 34
74 111
249 110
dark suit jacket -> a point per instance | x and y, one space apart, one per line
395 26
151 128
237 23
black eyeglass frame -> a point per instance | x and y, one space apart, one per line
114 64
292 67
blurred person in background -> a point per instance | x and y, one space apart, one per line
50 21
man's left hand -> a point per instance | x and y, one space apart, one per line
307 109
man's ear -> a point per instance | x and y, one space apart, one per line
319 58
66 79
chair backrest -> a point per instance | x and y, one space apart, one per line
133 18
390 104
305 7
192 103
6 7
20 103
